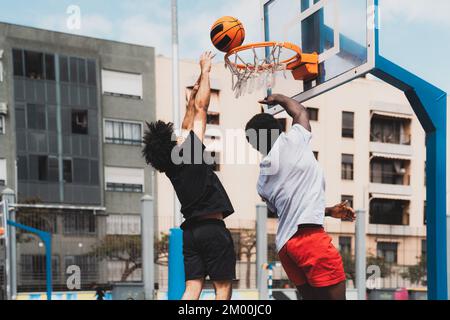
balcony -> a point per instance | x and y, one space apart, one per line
389 212
390 134
390 176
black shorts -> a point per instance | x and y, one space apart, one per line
208 250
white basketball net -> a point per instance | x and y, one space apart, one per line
257 74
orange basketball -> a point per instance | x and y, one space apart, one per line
227 33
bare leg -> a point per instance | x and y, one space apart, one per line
307 292
223 290
193 289
336 292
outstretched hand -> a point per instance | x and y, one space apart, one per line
343 212
206 61
273 99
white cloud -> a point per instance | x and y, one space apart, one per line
436 12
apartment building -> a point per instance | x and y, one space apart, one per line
72 113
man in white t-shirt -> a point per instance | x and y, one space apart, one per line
292 184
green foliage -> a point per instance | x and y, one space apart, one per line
128 249
349 265
417 274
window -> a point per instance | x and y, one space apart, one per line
81 173
118 132
214 158
348 124
388 129
53 169
389 212
42 168
347 167
64 68
18 62
34 65
80 122
2 124
122 84
345 245
91 73
387 251
313 114
67 171
213 118
32 267
124 187
124 180
80 223
349 199
88 266
2 172
388 171
36 117
50 67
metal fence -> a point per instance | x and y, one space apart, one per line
107 250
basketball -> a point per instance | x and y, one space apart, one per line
227 33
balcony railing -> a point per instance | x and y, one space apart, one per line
401 139
384 177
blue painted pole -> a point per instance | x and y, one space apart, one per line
436 207
47 239
48 266
177 284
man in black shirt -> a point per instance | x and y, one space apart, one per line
207 244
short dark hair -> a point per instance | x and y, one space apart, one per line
159 143
263 121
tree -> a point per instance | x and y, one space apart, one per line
246 248
128 249
417 274
349 265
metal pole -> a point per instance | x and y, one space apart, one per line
9 198
360 253
148 236
4 207
261 251
176 94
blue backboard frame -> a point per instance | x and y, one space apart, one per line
430 105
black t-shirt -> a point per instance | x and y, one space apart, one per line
197 186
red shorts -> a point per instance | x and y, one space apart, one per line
310 258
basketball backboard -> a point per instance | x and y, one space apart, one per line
342 32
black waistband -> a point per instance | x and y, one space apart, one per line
310 226
193 223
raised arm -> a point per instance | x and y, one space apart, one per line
203 97
295 109
188 122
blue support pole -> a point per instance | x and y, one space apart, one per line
47 239
177 284
430 105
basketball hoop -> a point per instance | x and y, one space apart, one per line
252 70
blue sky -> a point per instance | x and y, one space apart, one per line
415 33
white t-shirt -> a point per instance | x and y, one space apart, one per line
292 183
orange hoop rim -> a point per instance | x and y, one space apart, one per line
291 64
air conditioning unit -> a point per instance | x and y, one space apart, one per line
3 108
